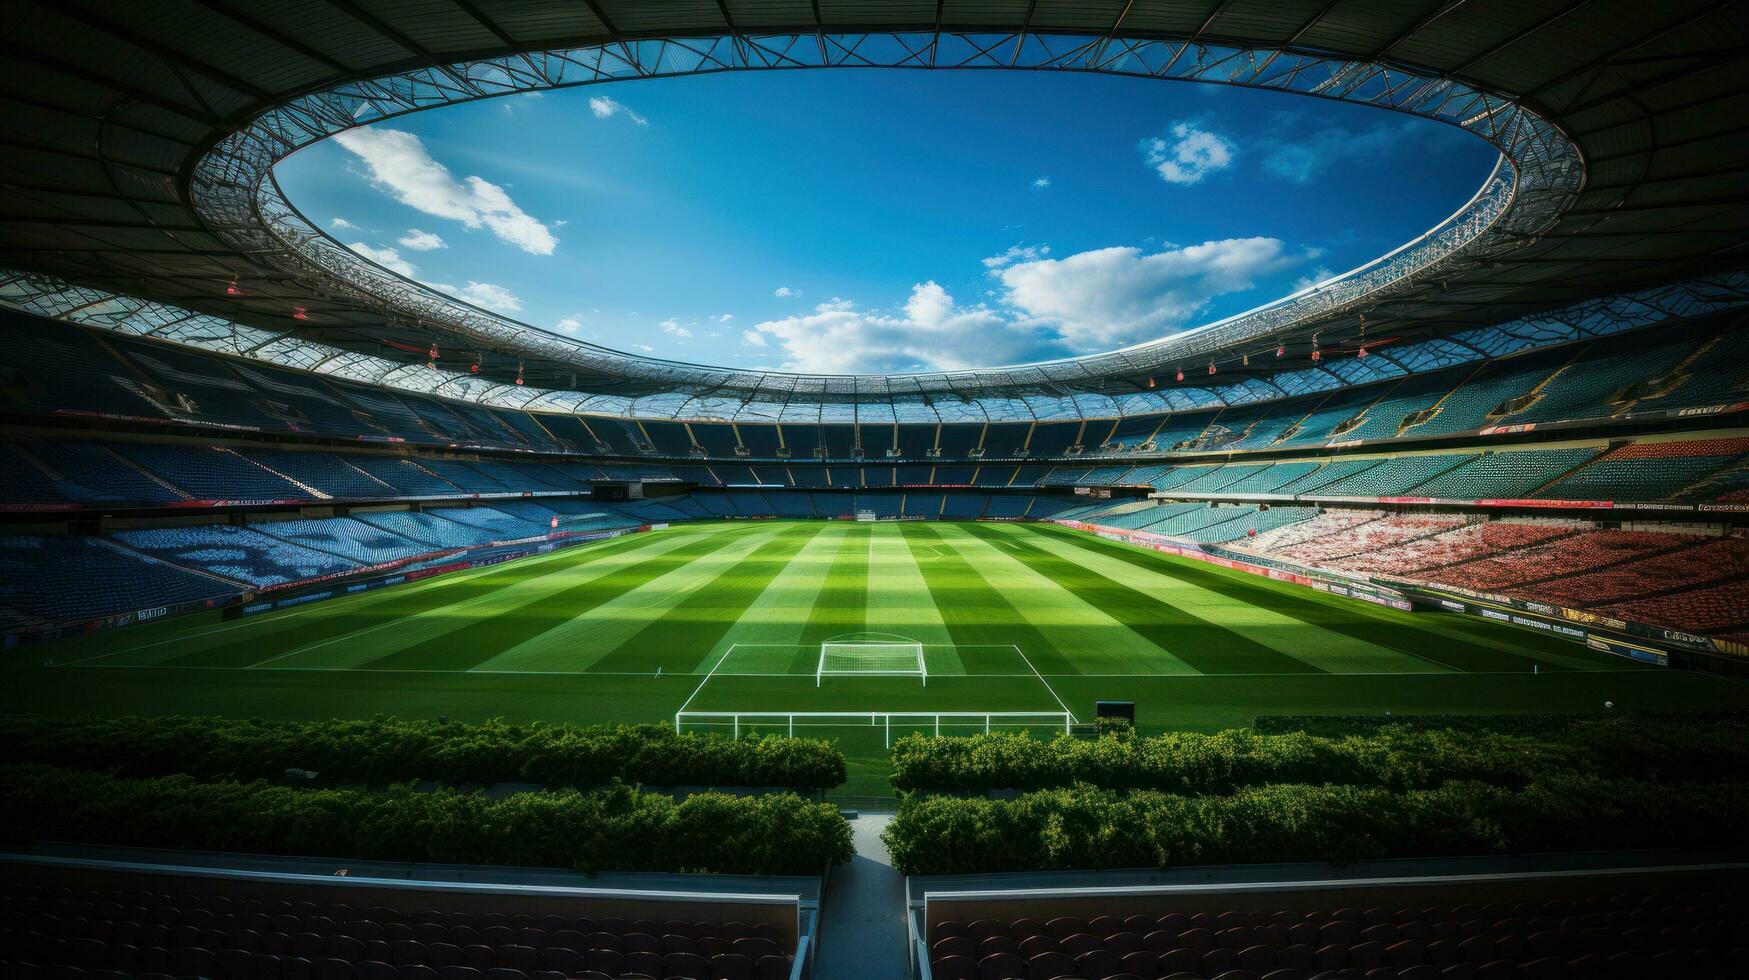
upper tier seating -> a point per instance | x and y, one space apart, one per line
1392 477
209 473
1503 474
1648 471
329 472
1698 936
67 578
92 474
236 553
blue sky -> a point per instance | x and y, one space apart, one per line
882 220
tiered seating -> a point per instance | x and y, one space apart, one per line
1253 521
1474 403
1271 478
94 474
52 579
208 473
1563 556
1693 564
1695 935
1392 477
1329 525
1503 474
236 553
1649 471
408 477
427 529
68 932
328 472
1721 609
200 386
363 543
1464 543
1386 532
494 523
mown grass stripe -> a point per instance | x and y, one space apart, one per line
1206 647
681 639
1391 629
491 635
336 618
841 606
976 613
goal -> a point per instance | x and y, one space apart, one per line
866 658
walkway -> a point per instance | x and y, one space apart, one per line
862 929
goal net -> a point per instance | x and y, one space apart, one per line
865 658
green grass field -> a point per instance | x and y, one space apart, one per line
730 617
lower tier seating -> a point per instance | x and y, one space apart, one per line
53 932
1697 936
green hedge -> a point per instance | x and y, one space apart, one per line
614 828
1394 757
393 750
1089 829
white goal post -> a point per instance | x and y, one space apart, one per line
884 720
871 658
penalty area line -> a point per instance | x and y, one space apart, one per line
1047 684
701 684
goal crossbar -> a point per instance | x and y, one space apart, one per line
872 659
878 719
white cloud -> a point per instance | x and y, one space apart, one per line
569 324
400 164
1192 154
1017 253
673 326
1109 297
646 348
753 338
1040 183
723 317
931 331
1304 159
606 108
386 257
341 224
485 294
1315 277
784 292
421 241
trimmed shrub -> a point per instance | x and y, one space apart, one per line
1397 757
613 828
1083 828
386 750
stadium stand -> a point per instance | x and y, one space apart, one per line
1648 471
58 578
168 925
1605 932
237 553
353 540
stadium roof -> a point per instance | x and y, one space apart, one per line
141 138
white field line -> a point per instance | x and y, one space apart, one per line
1047 684
712 673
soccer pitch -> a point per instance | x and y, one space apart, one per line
730 618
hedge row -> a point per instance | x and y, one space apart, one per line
615 828
1090 829
393 750
1390 757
